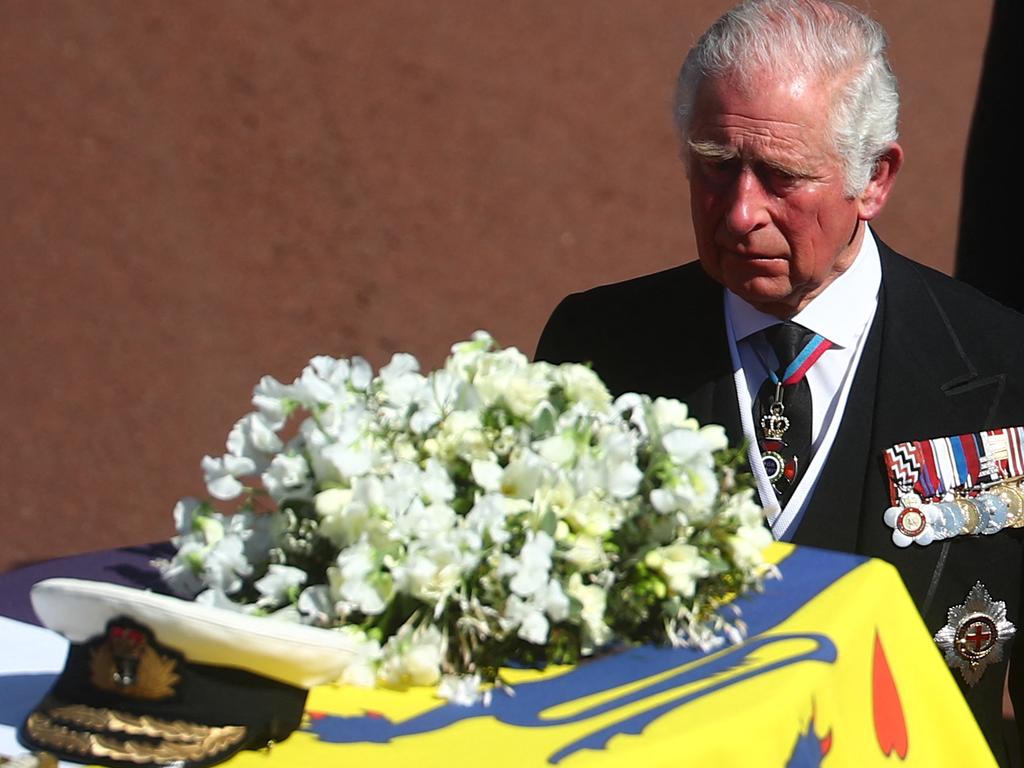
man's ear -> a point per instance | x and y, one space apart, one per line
871 201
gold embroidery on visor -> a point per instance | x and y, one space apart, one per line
179 740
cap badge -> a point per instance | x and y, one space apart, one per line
126 663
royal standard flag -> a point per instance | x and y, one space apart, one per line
837 669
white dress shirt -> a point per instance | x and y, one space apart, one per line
842 313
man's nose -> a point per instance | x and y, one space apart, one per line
748 206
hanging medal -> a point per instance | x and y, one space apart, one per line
781 464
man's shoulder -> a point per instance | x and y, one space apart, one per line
954 298
587 324
667 282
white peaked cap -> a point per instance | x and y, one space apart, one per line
295 654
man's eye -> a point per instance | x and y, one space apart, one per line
780 179
714 167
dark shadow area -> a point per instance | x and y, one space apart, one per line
985 255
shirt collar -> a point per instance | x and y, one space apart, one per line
839 313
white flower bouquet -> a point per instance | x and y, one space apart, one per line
492 511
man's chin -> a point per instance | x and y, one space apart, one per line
773 296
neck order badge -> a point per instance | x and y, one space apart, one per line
783 408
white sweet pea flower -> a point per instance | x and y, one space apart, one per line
424 523
225 565
322 381
622 476
400 487
331 505
560 449
316 606
413 658
252 438
495 372
533 564
274 401
633 408
594 516
523 475
526 391
348 515
350 458
681 565
685 446
357 583
463 690
593 600
527 619
434 400
532 617
260 533
430 571
552 499
489 517
186 513
361 664
465 355
288 476
361 374
748 544
583 386
279 585
487 474
671 414
183 573
714 437
554 601
587 554
435 483
692 489
400 386
221 475
663 500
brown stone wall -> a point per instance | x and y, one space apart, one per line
199 192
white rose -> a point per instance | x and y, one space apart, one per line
525 391
582 385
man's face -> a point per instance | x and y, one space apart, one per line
771 221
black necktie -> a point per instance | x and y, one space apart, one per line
782 414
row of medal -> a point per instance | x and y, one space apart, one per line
955 486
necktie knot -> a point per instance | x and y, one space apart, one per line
787 340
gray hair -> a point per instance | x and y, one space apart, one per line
787 38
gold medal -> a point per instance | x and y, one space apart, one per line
970 512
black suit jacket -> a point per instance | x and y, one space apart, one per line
940 359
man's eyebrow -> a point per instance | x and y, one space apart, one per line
712 150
